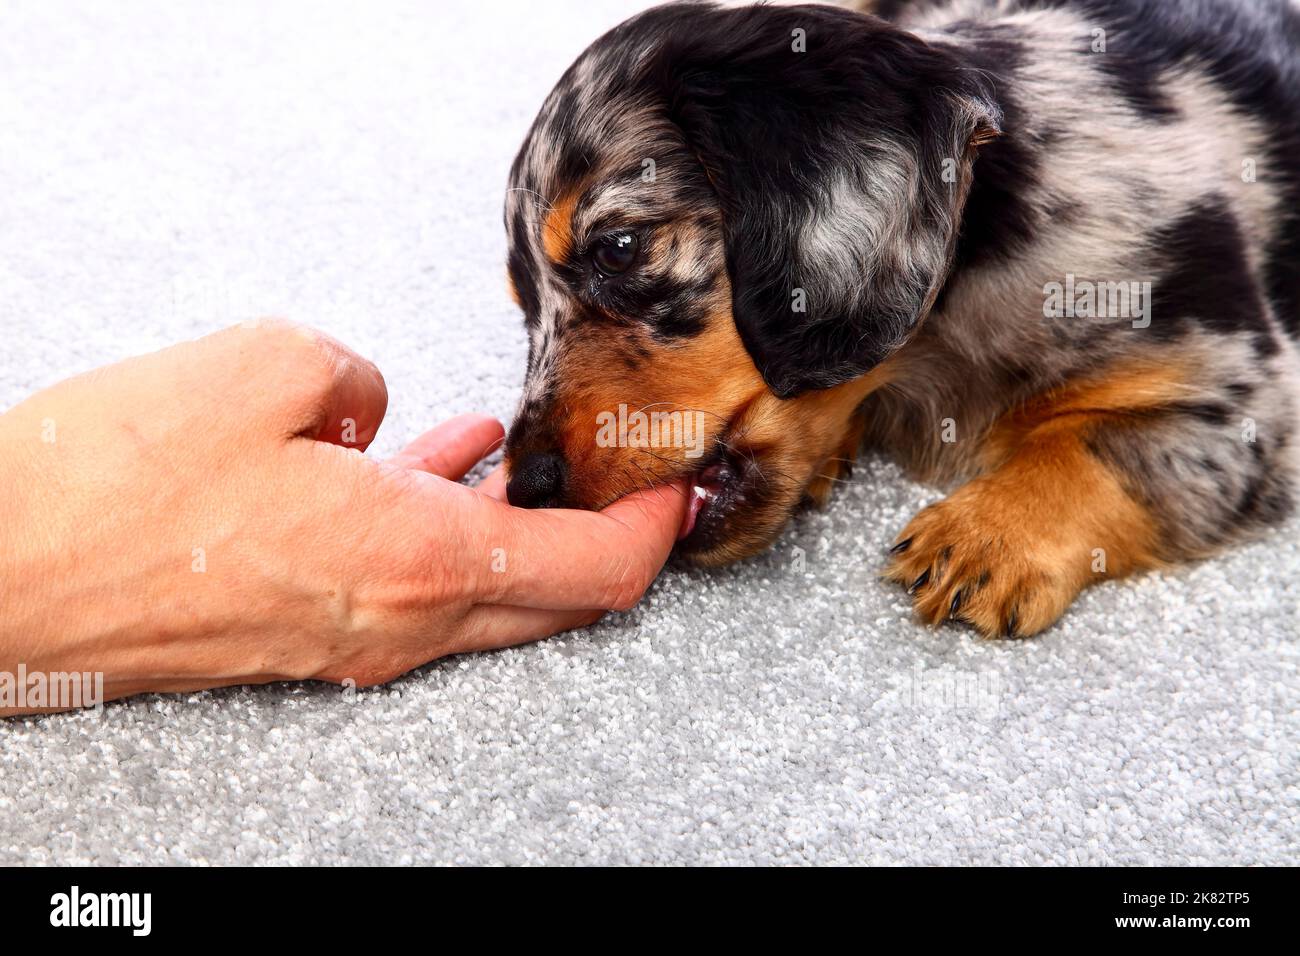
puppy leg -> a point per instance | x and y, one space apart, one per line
1010 550
839 466
1133 470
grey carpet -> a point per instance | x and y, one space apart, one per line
168 169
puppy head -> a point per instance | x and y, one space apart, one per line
721 225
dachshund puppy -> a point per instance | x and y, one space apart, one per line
1043 252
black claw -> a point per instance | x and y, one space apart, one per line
901 547
955 606
919 582
1011 626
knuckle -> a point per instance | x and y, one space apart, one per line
281 334
295 353
301 343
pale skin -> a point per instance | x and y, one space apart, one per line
205 516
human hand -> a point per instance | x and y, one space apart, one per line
204 516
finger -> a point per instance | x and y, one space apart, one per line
266 377
452 448
492 626
571 560
350 397
295 381
494 485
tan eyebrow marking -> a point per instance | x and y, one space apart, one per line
557 228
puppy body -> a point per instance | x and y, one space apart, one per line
1099 183
1144 167
1046 249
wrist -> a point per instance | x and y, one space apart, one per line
83 603
26 608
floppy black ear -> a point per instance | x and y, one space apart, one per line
841 150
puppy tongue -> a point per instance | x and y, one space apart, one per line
698 499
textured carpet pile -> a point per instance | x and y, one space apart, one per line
169 169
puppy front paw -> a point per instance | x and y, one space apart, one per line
983 557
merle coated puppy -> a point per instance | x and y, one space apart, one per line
1045 252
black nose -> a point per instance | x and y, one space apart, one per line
537 481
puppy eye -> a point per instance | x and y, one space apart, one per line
615 254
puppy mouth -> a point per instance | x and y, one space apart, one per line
716 491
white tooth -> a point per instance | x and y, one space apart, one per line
700 492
